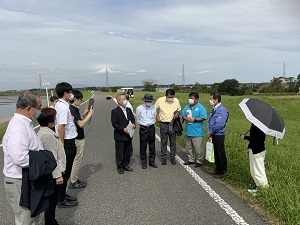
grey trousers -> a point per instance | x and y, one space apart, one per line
13 194
194 149
164 135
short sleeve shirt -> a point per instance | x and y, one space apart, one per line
195 129
165 109
64 116
77 117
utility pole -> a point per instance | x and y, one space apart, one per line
107 84
283 72
183 77
40 81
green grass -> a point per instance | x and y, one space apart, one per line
282 199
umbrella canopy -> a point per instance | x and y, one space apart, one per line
264 116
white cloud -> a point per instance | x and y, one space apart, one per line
246 39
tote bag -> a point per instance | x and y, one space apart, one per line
210 156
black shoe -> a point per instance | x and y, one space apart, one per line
127 168
70 198
81 182
173 161
121 171
78 184
144 166
197 165
66 204
152 164
188 163
164 162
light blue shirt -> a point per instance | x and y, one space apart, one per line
195 129
146 115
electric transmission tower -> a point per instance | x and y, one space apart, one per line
183 77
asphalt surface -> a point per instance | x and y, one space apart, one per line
171 194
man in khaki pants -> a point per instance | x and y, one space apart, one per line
18 139
80 121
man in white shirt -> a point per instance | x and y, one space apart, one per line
66 130
18 139
146 117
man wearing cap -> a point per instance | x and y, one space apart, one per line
166 107
146 117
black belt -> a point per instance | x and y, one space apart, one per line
145 127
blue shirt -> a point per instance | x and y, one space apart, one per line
146 115
195 129
217 120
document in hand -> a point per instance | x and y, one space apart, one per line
130 129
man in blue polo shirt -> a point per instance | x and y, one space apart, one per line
194 114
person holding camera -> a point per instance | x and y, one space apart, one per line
80 121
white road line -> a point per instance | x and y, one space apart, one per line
227 208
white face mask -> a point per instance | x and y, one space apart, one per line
71 97
148 104
124 103
170 99
211 102
191 101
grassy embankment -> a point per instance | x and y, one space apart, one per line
282 199
3 126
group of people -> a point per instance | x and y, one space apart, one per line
166 111
61 133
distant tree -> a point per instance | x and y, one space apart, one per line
230 87
174 87
215 87
200 88
298 82
275 86
114 89
149 85
104 89
246 89
291 84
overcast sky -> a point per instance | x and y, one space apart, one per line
75 40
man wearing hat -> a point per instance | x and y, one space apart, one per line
145 117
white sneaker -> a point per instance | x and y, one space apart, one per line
253 191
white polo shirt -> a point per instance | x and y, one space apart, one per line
64 116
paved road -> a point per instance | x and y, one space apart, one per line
166 195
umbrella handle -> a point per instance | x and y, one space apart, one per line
247 132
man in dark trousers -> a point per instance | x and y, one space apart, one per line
146 117
66 130
216 131
120 118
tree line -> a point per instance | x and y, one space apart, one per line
233 87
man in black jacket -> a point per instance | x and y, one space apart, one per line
120 118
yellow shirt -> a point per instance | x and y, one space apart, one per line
165 109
